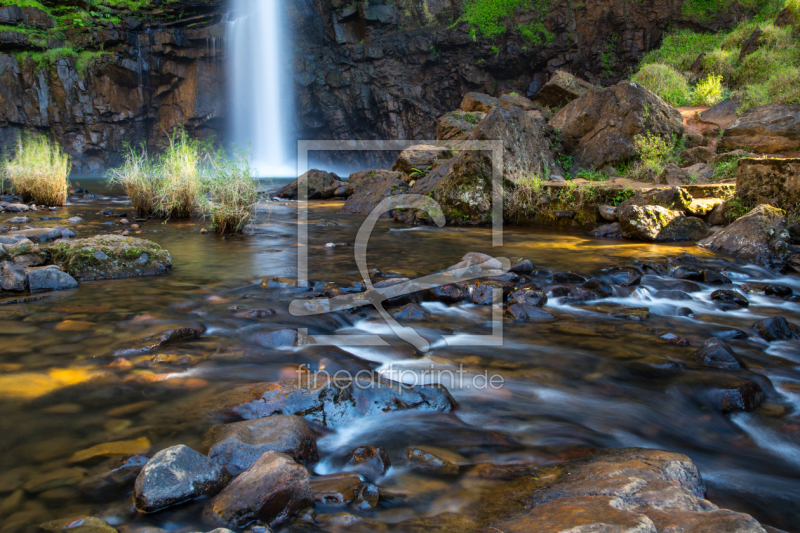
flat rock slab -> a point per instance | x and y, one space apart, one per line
110 257
50 279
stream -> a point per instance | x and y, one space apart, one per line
584 380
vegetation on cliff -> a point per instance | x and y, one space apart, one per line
38 172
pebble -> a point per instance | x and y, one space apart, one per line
203 231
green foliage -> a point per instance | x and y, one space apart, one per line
708 91
666 82
565 161
535 33
680 49
38 172
491 19
591 175
230 190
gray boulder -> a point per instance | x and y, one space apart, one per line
12 278
370 187
659 224
318 181
175 475
420 157
50 279
561 89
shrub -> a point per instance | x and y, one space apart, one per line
38 172
138 177
721 63
708 91
231 191
487 15
666 82
680 49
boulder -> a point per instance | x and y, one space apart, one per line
716 354
701 207
608 212
273 490
482 103
723 114
50 279
420 157
731 394
674 198
12 278
526 312
175 475
658 224
599 127
523 266
515 100
116 481
607 231
734 297
369 461
624 277
719 215
766 129
774 182
238 446
370 188
698 154
674 176
760 237
45 234
336 489
457 125
109 257
776 329
700 172
335 402
561 89
17 208
318 182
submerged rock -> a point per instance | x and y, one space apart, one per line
527 312
716 354
336 489
116 481
336 401
273 490
238 446
83 524
369 461
776 329
433 460
175 475
126 257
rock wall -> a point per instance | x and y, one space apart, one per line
383 69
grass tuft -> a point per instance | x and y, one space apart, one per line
138 176
231 192
38 172
666 82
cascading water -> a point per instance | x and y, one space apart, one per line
261 91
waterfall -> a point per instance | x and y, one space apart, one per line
262 103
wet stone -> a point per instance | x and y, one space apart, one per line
84 524
732 297
731 334
50 279
688 273
716 354
410 312
716 278
116 481
633 313
238 446
672 295
522 267
112 449
175 475
566 277
528 296
336 489
674 339
624 277
433 461
601 288
171 336
448 294
280 338
526 312
781 291
776 329
483 293
369 461
683 285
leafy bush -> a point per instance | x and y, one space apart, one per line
721 63
666 82
708 91
38 172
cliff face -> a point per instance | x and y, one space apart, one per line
381 69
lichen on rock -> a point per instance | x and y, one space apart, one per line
110 257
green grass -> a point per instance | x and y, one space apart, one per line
139 179
680 49
666 82
493 18
231 191
38 172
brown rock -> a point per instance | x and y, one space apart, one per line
370 461
723 114
703 206
700 172
371 187
674 198
659 224
608 212
420 157
457 125
775 182
272 490
336 489
482 103
515 100
561 89
318 181
766 129
674 176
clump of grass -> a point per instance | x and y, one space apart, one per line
38 172
708 91
231 191
180 184
666 82
680 49
138 176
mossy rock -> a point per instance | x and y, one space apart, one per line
110 257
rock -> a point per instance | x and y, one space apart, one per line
733 155
420 157
782 291
766 129
50 279
336 489
370 188
561 89
280 338
637 314
700 172
733 297
334 402
482 103
599 127
17 208
127 257
273 490
607 212
776 329
112 449
775 182
483 293
701 207
318 181
723 114
116 481
731 334
673 175
686 286
449 294
607 231
46 234
431 460
369 461
759 237
730 395
659 224
12 278
175 475
624 277
410 312
515 100
238 446
170 336
672 295
566 277
457 125
18 221
529 296
526 312
83 524
523 266
698 154
673 198
54 479
600 287
716 278
674 339
74 220
716 354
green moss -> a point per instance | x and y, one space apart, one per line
492 18
82 59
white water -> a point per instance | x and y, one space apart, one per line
262 105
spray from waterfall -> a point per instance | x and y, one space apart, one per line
262 104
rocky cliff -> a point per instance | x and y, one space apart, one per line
382 69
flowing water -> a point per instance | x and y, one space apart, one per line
582 381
